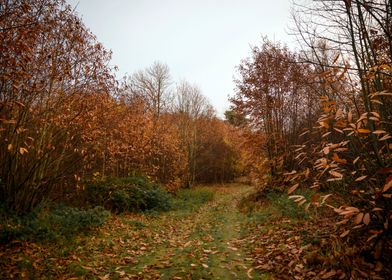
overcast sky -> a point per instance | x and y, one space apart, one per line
202 41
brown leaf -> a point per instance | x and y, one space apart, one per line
345 233
387 186
385 137
363 130
329 274
335 174
292 189
22 150
358 218
379 132
337 159
366 219
350 116
360 178
248 273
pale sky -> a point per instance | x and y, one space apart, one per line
202 41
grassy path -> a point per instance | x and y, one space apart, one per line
205 244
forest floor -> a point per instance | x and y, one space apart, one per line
206 237
197 241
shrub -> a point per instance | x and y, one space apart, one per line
50 223
134 194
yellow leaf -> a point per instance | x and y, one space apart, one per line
9 147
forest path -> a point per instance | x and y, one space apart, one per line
201 244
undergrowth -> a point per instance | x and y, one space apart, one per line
50 222
277 204
133 194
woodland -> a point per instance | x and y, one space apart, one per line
138 178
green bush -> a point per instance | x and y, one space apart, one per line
134 194
50 223
119 200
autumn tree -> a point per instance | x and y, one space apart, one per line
352 60
50 62
272 93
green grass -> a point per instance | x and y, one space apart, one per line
189 200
